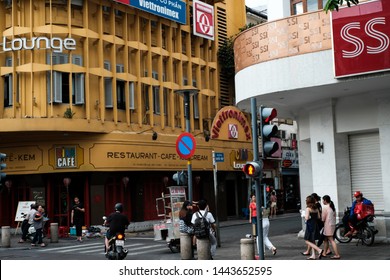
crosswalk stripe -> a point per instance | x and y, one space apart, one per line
77 248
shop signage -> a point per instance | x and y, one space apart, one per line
172 10
56 44
228 121
66 157
203 20
361 38
290 159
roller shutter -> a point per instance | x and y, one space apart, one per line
366 171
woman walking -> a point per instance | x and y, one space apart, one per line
312 232
329 219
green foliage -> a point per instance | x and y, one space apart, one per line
68 113
247 26
226 58
332 5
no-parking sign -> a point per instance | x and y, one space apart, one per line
185 145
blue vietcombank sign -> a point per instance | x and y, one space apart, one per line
173 10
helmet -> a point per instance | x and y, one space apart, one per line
119 207
358 193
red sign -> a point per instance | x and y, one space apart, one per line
203 20
361 38
185 145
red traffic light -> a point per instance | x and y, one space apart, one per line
268 114
252 169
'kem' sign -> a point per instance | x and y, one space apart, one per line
361 38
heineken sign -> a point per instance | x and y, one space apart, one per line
57 44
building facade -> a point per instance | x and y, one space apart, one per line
92 105
330 73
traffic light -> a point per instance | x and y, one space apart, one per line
180 178
267 131
2 166
253 168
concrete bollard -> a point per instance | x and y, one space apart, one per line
5 236
203 248
247 247
53 232
185 246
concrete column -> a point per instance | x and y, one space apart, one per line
5 236
54 232
203 248
247 248
185 246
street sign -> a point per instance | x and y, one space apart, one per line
219 157
185 145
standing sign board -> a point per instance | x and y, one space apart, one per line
361 38
22 210
203 20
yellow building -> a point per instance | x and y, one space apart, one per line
92 105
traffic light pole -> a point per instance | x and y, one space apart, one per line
188 129
260 241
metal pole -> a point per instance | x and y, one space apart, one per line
215 169
259 203
186 95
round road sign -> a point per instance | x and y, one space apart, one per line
185 145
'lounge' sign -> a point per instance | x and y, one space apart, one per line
56 44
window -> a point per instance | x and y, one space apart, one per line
108 87
8 96
304 6
61 84
196 101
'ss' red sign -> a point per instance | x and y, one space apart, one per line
361 38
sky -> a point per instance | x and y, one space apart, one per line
255 3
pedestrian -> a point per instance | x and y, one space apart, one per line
266 225
329 219
204 211
312 232
253 215
27 222
38 226
185 225
273 207
77 217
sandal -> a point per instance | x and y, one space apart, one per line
305 254
273 251
310 258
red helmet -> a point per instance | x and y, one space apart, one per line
358 193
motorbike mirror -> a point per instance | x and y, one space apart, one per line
104 218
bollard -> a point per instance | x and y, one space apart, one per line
247 248
5 236
203 248
185 246
53 232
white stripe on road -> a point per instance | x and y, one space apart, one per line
77 248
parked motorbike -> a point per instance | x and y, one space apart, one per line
116 250
365 230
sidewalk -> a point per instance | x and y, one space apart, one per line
290 246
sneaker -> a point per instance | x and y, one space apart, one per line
33 244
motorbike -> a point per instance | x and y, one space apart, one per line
116 250
365 230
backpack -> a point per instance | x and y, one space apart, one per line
201 226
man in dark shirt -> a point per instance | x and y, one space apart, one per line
117 223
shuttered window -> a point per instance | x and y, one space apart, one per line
365 162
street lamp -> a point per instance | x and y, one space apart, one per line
186 93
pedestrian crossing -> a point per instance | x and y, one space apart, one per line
137 246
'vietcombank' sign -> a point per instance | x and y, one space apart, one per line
56 44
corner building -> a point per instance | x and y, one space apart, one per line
91 106
330 73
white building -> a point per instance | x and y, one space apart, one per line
336 86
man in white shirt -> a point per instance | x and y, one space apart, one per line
203 209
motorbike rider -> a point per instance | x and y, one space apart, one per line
351 220
117 223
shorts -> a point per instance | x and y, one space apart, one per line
273 204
